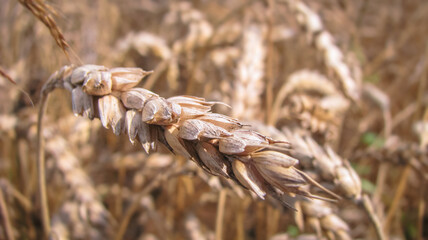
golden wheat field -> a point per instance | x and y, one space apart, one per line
212 120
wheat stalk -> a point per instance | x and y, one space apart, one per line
5 219
6 76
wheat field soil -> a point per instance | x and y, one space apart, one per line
212 120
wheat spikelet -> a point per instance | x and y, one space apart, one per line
320 217
313 214
329 165
313 101
185 125
320 116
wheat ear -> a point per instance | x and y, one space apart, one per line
324 43
219 144
82 215
249 84
332 167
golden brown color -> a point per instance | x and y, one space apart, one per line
343 82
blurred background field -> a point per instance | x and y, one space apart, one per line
345 82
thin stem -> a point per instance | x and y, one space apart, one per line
18 196
421 212
397 197
380 182
220 214
368 207
41 165
270 62
421 89
160 68
5 220
6 76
